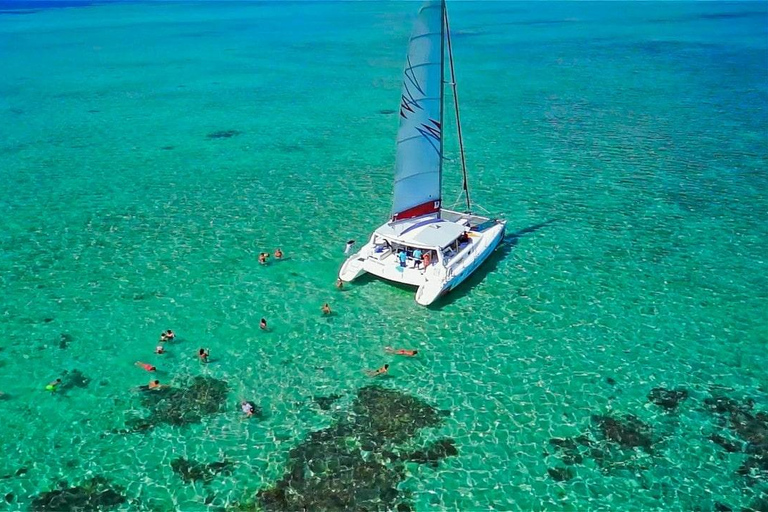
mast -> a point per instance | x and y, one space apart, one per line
443 27
456 105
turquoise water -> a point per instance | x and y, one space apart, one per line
625 144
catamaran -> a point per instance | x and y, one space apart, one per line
424 244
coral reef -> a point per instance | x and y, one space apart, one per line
354 464
182 406
94 494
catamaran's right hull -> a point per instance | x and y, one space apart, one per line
430 291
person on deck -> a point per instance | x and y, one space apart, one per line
402 257
426 259
417 258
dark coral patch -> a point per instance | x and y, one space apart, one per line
391 415
727 445
76 379
352 465
627 432
750 427
193 471
182 406
560 474
325 402
64 340
434 453
223 134
669 399
387 111
94 494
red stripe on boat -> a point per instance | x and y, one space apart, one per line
418 211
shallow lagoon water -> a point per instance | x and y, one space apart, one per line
150 152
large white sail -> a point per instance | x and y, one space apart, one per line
419 138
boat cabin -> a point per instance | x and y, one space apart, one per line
440 239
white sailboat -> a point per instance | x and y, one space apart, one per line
423 244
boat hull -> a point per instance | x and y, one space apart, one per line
425 296
434 281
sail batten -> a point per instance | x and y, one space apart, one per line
419 138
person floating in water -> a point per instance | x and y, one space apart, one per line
159 349
51 386
339 284
247 408
278 253
167 336
203 354
263 258
154 384
263 324
375 373
146 366
401 351
326 309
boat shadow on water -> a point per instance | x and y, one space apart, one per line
505 248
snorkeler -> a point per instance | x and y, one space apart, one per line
53 385
401 351
326 309
203 354
381 371
146 366
278 253
247 408
263 324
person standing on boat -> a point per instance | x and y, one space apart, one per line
426 259
402 257
417 258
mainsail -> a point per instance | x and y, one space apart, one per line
419 138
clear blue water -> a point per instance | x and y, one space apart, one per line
625 144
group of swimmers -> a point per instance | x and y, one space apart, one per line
264 255
204 354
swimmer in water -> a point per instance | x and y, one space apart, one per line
247 408
159 349
154 384
263 324
263 258
375 373
339 284
326 309
278 253
401 351
146 366
169 335
53 385
203 354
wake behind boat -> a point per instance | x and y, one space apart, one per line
423 244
